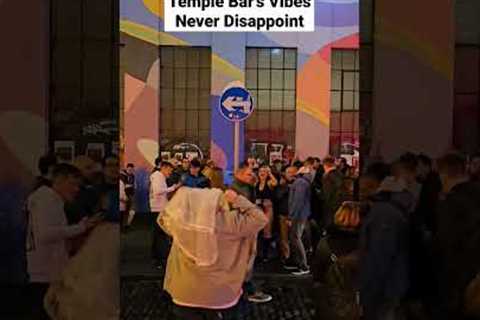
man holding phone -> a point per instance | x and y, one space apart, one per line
158 200
48 233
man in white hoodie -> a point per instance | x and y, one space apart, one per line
158 200
48 233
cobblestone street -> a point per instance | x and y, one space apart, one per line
143 299
142 296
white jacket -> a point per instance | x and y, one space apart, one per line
48 232
159 191
90 286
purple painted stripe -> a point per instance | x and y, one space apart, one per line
336 14
135 11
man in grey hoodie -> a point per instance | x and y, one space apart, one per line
299 210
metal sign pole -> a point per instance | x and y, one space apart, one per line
236 104
236 147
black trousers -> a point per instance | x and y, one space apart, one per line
36 295
14 302
161 242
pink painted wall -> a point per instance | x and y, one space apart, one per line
413 77
23 85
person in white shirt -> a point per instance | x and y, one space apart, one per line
48 233
158 200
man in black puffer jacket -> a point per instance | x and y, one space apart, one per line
457 241
384 244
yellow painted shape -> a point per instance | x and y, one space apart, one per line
149 149
149 35
391 35
155 6
154 37
303 106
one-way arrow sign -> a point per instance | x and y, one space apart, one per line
232 103
236 104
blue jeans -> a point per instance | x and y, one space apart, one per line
298 249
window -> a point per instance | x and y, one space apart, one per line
84 81
185 74
466 119
466 112
344 101
271 76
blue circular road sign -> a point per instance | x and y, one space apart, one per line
236 104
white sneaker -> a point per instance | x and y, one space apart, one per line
301 272
259 297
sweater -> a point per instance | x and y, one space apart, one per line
217 286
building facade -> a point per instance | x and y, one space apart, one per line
419 87
172 83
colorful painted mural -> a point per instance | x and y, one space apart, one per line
423 63
337 25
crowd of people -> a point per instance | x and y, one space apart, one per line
400 240
395 240
64 206
287 194
415 255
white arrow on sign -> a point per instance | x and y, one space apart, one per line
232 103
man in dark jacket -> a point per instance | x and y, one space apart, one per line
194 178
282 196
431 186
299 207
474 167
243 184
87 201
457 242
422 225
332 184
384 243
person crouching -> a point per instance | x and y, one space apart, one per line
213 236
